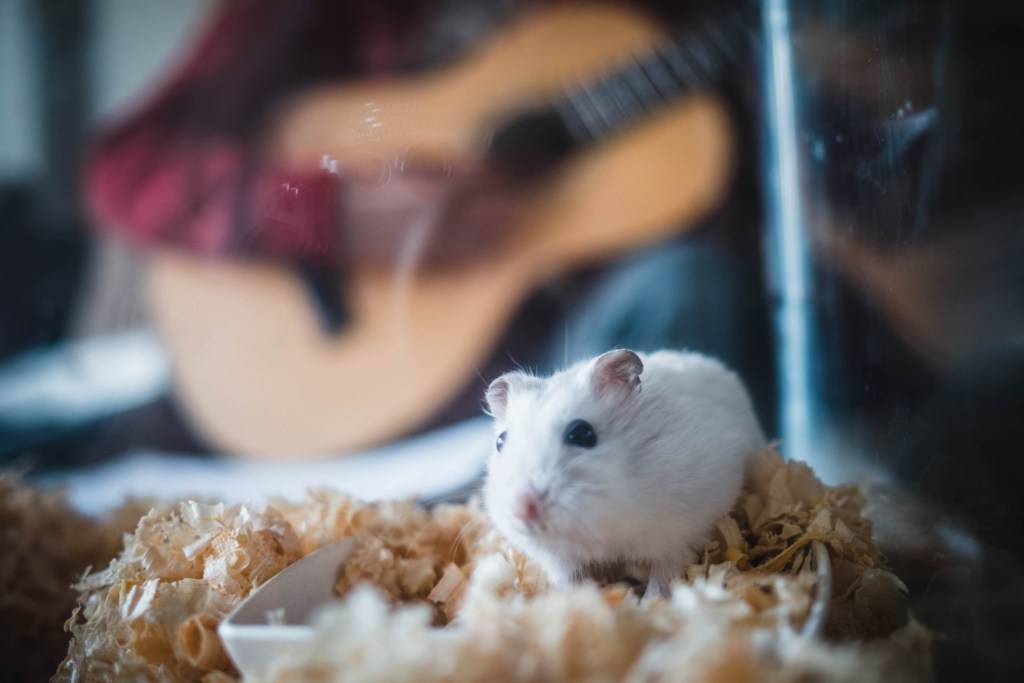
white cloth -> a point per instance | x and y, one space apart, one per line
424 466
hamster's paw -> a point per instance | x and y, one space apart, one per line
659 583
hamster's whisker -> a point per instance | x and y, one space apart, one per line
578 488
392 532
572 503
569 506
565 361
516 364
466 528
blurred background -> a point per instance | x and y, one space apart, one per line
250 246
65 67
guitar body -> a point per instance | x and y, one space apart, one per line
253 368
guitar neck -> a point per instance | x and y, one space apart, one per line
698 57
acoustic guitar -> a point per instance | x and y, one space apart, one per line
647 148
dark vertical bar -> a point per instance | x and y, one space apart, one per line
62 28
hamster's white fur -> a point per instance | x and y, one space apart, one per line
673 434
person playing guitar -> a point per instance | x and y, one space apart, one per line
346 202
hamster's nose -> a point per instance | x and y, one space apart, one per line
526 507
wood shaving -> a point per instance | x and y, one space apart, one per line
437 595
46 547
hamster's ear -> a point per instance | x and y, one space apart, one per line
496 397
617 371
498 392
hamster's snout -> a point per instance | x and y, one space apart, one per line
528 508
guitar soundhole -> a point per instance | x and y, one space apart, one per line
531 144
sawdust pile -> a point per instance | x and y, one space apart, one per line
45 546
751 609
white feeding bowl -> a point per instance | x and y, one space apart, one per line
253 633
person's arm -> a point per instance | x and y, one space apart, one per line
203 197
193 170
186 171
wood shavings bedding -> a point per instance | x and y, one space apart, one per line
740 614
45 546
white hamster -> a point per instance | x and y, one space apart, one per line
622 461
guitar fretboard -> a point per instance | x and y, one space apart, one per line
698 57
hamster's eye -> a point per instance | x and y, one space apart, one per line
499 443
580 433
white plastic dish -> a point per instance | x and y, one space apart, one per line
253 633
